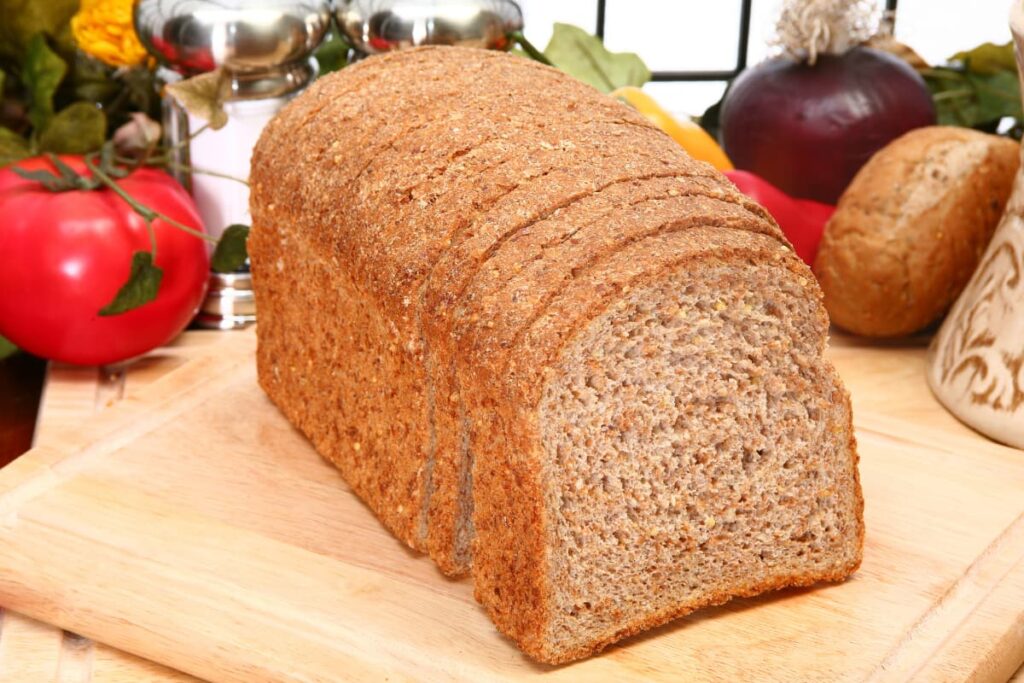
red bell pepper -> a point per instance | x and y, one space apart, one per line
802 220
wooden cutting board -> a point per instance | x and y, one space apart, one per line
191 525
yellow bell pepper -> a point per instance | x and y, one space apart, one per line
691 137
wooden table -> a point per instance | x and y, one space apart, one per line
31 651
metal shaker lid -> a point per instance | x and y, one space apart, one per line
374 26
264 44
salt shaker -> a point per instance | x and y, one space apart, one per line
265 48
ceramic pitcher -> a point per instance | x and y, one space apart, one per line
976 366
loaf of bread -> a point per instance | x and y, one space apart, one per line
912 227
544 344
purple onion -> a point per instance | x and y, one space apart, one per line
808 129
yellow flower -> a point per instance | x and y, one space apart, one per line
103 29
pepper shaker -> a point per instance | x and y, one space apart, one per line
375 26
264 48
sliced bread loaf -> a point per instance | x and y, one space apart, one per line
539 340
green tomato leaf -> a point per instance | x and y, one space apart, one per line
23 19
141 288
7 348
79 128
988 58
13 147
231 254
42 72
51 182
584 56
203 96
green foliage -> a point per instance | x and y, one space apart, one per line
988 58
585 57
13 147
79 128
24 19
141 288
230 253
7 348
42 72
90 80
53 97
978 89
332 53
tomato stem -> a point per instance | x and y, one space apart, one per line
147 213
202 171
529 48
152 238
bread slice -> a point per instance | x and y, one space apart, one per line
525 271
672 442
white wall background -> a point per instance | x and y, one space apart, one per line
702 34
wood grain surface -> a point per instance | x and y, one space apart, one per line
31 651
191 525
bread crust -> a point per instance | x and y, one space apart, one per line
911 228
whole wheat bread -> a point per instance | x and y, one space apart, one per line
542 342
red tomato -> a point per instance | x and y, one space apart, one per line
65 255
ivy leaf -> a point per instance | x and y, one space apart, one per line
6 348
231 254
203 96
79 128
13 147
585 57
42 72
141 287
988 58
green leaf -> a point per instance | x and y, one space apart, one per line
203 96
3 81
7 348
998 95
972 100
230 253
91 80
988 58
79 128
42 72
23 19
584 56
13 147
332 54
141 288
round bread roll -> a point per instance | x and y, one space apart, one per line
911 228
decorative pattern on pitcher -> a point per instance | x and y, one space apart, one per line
980 350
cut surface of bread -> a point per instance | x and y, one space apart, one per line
689 445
